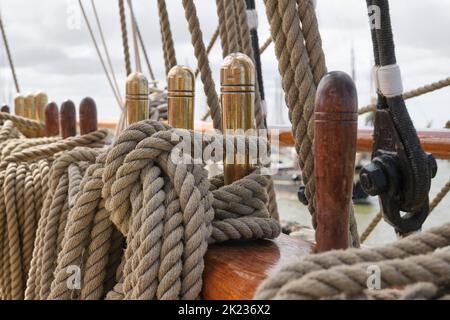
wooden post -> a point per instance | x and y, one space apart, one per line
68 119
336 126
51 120
88 116
5 109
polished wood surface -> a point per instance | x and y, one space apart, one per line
51 119
68 119
335 130
234 270
88 116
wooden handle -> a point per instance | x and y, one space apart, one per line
5 109
336 126
88 116
51 119
68 119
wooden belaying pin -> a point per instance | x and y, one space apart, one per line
19 105
51 119
237 78
335 132
68 119
88 116
137 102
181 93
40 101
29 109
5 109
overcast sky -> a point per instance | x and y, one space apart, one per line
51 56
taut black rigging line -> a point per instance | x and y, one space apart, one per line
400 172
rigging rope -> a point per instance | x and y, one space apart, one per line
8 53
144 50
123 27
113 86
170 59
108 58
203 62
413 93
137 57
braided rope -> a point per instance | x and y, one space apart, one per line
123 27
210 46
170 59
203 63
285 281
34 126
265 45
413 93
164 209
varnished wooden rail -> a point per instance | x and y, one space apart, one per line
436 142
233 271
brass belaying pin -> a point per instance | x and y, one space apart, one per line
137 102
40 101
181 93
237 78
19 105
29 109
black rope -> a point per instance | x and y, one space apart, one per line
384 53
257 55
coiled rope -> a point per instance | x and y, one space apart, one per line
167 211
24 176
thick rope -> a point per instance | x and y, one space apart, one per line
27 126
210 46
167 211
170 59
203 63
416 251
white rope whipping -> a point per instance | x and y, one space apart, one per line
388 80
252 19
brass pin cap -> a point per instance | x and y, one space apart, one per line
19 105
181 81
30 111
40 101
137 85
137 102
237 73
